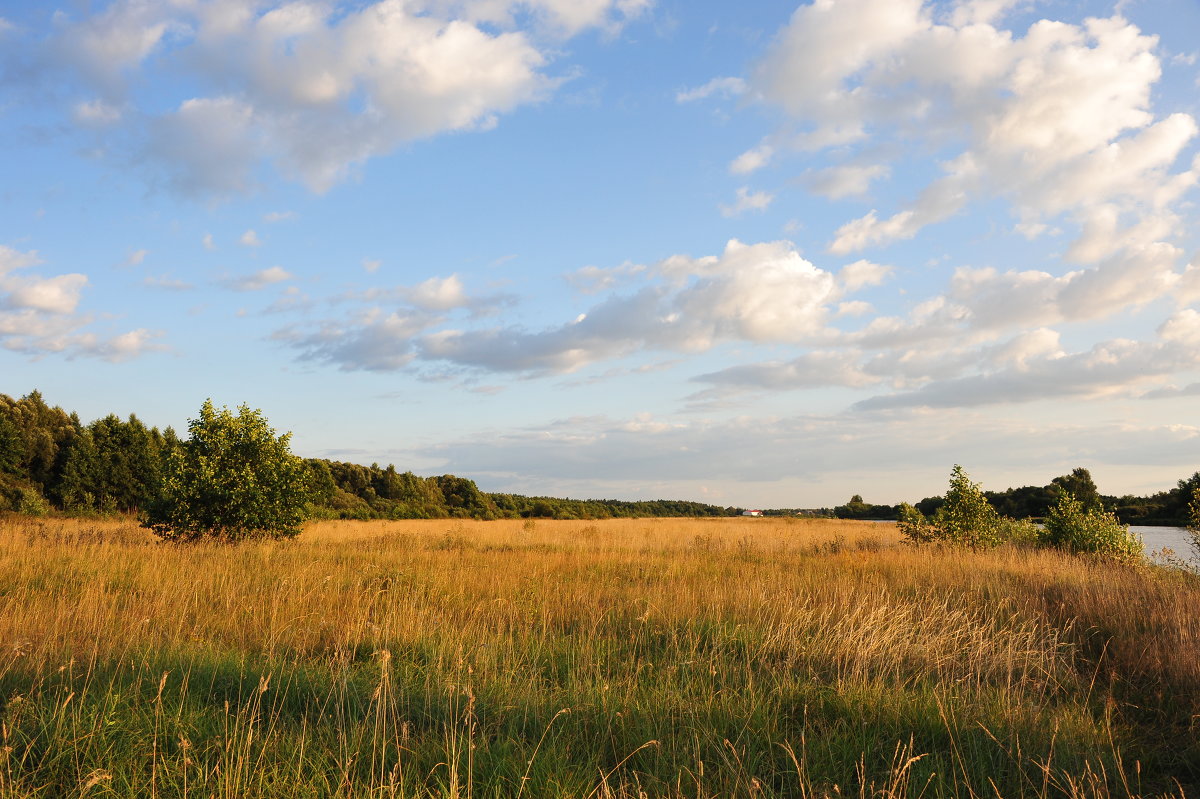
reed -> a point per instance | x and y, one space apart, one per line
658 657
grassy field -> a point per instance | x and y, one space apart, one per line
665 657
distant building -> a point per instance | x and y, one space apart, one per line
752 513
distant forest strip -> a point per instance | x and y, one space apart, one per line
50 460
1168 507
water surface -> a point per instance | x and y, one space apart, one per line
1178 539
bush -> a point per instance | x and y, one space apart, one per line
1194 519
232 479
965 517
1069 526
30 502
914 526
1021 532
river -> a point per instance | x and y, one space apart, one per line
1176 538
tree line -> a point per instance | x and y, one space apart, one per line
1169 507
50 460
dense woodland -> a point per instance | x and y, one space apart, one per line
49 459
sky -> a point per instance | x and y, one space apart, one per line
756 254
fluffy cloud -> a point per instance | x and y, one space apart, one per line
124 347
981 304
39 315
107 45
752 160
12 260
439 294
315 87
1057 120
59 294
759 293
1041 371
1027 367
824 44
55 295
209 145
863 273
989 337
372 340
938 201
436 295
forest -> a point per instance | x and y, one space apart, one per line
50 459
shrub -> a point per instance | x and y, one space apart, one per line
1194 519
914 526
967 517
1075 529
30 502
1021 532
232 479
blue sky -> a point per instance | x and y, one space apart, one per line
763 254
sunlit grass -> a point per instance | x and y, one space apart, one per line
699 658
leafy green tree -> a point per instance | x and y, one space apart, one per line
964 516
967 517
45 432
112 465
1080 485
1076 528
12 445
232 479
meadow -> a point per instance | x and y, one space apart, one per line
657 657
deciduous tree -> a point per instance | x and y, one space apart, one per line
232 479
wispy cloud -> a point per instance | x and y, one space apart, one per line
167 283
259 280
748 201
720 87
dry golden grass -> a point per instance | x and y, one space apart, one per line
443 651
